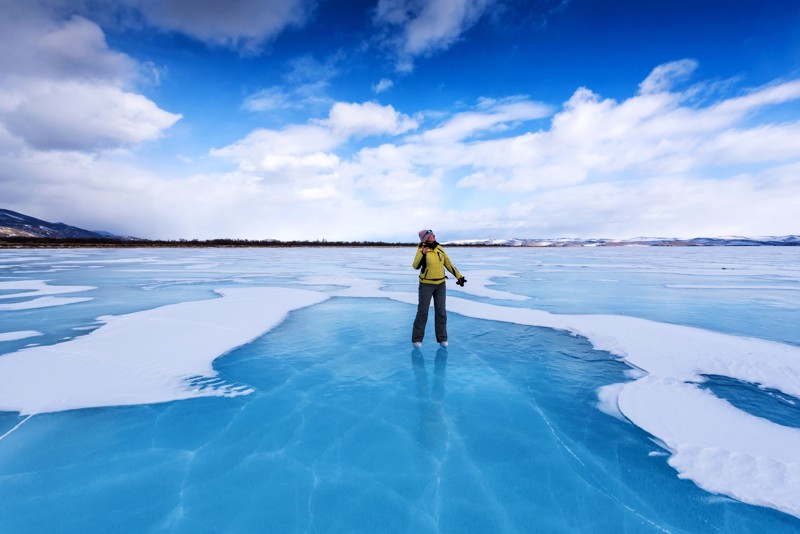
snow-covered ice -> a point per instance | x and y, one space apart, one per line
43 293
145 357
14 336
676 318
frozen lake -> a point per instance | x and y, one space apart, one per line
276 390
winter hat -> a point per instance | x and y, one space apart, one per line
423 233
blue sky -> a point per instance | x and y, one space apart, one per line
368 120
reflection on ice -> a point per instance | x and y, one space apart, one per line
432 426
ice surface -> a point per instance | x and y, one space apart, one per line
42 302
151 356
24 334
164 345
762 469
38 288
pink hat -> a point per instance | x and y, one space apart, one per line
424 233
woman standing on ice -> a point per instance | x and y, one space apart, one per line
432 260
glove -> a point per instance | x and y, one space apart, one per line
461 281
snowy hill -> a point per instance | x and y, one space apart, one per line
726 241
13 224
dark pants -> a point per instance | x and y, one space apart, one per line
438 292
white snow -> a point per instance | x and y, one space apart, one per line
608 400
22 334
719 447
43 293
35 288
44 302
144 357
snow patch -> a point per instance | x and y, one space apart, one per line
22 334
40 294
152 356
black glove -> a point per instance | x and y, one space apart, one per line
461 281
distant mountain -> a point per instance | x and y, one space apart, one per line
727 241
13 224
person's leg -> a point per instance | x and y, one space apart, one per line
425 294
440 310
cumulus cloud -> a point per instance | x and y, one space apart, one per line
83 116
311 146
245 25
671 206
654 163
78 49
651 133
65 89
298 147
369 118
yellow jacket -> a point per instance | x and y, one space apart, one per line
434 264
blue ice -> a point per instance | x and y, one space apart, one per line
325 420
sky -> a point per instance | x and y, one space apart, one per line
370 120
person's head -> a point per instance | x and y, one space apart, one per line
427 236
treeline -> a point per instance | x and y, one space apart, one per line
104 242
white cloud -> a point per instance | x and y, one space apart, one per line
300 148
481 180
309 147
488 118
655 163
644 135
78 50
306 85
369 118
64 88
399 187
246 25
84 116
383 85
427 27
268 99
276 98
665 76
440 22
677 206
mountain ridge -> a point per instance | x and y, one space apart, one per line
14 224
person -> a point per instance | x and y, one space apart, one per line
431 260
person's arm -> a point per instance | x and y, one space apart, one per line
418 258
450 267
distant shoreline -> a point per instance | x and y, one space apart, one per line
44 242
27 242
